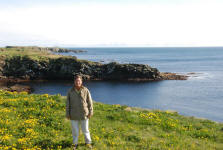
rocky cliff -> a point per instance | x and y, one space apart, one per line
65 68
20 64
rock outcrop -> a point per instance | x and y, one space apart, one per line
38 64
173 76
35 63
13 86
65 68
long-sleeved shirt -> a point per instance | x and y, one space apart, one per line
79 104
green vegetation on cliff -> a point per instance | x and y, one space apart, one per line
38 122
33 63
31 52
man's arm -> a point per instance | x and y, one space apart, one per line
68 106
90 104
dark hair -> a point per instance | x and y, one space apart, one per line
78 76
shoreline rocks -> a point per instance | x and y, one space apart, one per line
173 76
15 69
8 85
64 68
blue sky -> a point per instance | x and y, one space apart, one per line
111 23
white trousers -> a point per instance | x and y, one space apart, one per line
75 130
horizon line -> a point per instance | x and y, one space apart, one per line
73 46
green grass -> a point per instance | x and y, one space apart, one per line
38 122
35 54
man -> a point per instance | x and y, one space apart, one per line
79 109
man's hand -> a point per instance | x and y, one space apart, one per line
89 116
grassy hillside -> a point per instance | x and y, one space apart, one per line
38 122
35 53
32 52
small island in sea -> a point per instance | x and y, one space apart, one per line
26 63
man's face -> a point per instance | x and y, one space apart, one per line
78 82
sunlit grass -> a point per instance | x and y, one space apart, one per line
38 122
37 55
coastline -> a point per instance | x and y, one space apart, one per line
31 63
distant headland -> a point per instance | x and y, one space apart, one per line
26 63
51 49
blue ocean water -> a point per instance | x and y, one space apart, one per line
200 96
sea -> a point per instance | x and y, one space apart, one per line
200 96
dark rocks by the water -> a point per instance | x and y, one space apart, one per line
13 86
20 88
173 76
66 67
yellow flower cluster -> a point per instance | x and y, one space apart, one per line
96 138
23 140
31 133
45 95
30 122
160 119
8 92
5 137
50 103
150 116
5 110
20 126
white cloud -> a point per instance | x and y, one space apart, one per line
198 24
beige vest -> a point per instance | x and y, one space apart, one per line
79 105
